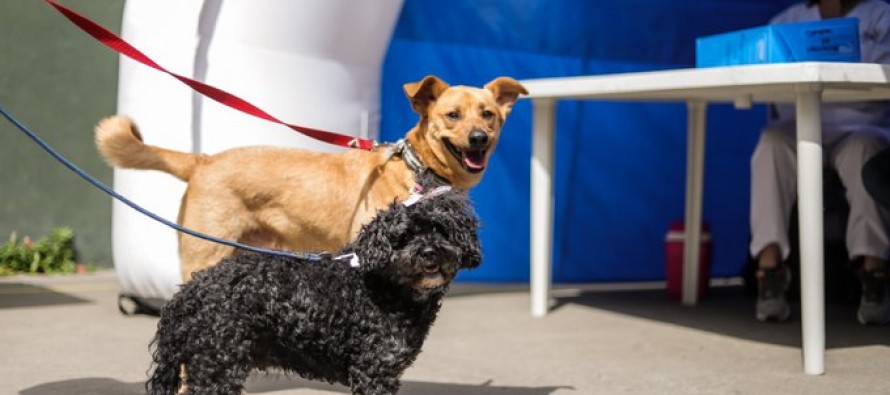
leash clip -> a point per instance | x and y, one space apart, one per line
351 257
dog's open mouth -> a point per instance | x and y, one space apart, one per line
431 277
472 161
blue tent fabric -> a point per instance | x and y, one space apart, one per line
620 167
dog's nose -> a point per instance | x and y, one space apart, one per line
430 264
428 251
478 139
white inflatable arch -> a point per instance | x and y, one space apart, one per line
313 63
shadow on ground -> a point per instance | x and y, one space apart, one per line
259 384
729 311
268 383
92 386
17 295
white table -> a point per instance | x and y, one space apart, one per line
807 84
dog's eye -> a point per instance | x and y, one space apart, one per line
487 115
453 115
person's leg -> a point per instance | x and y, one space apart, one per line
867 226
876 177
773 192
867 232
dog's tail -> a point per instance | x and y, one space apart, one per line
120 143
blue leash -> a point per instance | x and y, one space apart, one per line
112 193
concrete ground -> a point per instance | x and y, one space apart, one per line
64 335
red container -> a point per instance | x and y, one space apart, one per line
673 248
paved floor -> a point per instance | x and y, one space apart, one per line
64 335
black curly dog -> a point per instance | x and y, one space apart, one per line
358 326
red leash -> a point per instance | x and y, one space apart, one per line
122 47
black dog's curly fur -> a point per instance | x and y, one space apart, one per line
361 327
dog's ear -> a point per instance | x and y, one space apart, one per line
458 216
472 248
374 250
376 242
505 91
472 256
424 92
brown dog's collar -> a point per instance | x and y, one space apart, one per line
403 148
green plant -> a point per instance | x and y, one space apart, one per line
53 253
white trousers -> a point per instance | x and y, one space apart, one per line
774 190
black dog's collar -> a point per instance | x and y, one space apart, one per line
352 259
417 194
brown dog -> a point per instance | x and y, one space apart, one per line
298 200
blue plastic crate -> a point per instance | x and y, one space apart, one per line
831 40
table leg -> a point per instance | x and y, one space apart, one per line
809 192
695 161
544 114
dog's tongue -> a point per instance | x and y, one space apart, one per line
475 159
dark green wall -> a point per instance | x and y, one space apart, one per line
59 82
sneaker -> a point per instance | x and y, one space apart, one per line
874 306
772 287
